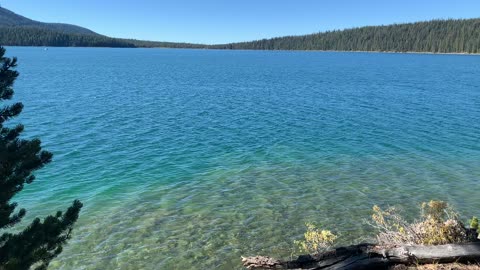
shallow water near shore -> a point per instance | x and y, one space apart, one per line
188 159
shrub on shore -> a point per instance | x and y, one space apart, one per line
316 240
438 224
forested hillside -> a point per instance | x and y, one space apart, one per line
11 19
16 30
439 36
31 36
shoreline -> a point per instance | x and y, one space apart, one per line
340 51
407 52
218 49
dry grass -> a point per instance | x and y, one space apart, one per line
316 240
438 266
448 266
438 224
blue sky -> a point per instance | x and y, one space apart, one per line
222 21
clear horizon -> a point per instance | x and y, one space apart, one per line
216 21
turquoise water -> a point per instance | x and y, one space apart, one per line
188 159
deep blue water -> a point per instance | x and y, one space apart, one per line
187 159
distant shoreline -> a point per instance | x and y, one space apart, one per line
408 52
217 49
391 52
436 36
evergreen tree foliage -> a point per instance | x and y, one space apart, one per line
41 241
34 36
437 36
9 18
42 36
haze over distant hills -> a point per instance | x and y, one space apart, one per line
437 36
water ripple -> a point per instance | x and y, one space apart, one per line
192 158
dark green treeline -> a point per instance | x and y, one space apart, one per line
32 36
438 36
36 36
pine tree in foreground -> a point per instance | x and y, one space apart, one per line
41 241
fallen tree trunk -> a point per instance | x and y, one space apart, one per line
369 256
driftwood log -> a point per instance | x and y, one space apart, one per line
369 256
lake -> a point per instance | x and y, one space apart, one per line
188 159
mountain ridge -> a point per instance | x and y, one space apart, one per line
11 19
